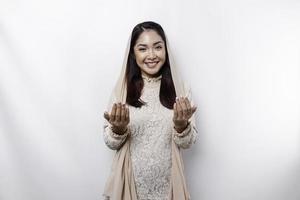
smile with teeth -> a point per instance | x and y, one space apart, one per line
151 64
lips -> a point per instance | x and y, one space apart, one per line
151 64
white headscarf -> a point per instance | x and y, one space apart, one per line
120 184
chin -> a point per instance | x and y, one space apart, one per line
152 72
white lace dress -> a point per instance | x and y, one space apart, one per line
151 130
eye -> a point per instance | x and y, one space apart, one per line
158 47
142 49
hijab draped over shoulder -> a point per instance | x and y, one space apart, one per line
120 183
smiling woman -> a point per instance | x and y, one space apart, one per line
148 58
150 120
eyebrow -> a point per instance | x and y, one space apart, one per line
153 44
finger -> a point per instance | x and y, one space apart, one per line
118 112
175 115
179 110
123 113
194 109
184 108
127 115
106 116
113 113
188 105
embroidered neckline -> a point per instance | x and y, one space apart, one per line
151 79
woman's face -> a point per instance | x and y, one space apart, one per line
150 52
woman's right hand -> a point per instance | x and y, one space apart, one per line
118 118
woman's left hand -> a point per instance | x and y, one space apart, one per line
183 111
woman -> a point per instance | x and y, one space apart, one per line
147 123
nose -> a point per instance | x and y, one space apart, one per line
151 54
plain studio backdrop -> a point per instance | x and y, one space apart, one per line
59 60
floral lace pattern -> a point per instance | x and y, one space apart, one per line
151 132
150 145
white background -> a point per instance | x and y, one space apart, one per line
59 60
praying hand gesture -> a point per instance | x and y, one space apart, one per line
118 118
183 111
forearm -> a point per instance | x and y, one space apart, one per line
185 138
112 139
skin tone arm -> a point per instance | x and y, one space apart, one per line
118 118
183 111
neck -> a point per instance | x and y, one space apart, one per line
151 78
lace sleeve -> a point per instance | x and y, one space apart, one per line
112 140
188 137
